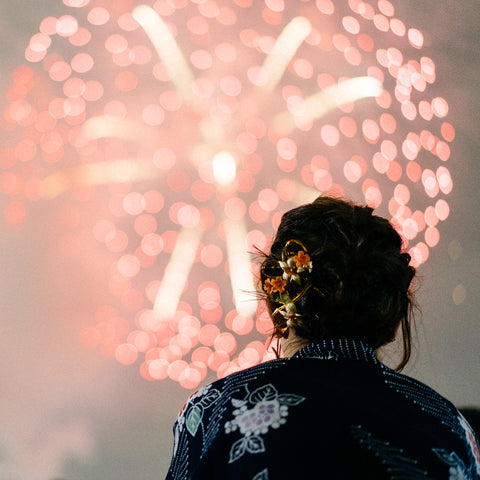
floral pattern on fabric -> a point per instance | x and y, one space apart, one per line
470 437
457 470
240 426
192 412
263 409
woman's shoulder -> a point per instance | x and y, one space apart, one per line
415 390
233 380
208 406
259 373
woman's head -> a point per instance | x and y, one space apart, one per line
358 283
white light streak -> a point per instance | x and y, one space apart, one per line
319 104
240 273
285 48
224 168
176 273
344 92
102 127
100 173
166 48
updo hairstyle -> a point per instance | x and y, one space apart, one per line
360 277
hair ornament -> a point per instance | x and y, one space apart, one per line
286 281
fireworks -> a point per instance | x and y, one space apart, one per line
200 122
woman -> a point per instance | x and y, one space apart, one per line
338 287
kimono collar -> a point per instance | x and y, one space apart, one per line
336 349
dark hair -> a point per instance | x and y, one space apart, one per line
361 276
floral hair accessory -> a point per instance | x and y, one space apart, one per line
273 285
286 281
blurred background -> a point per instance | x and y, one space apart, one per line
146 150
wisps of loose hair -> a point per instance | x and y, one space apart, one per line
362 275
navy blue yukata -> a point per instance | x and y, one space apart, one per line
332 411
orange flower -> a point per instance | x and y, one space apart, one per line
276 284
302 260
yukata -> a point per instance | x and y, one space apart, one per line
332 411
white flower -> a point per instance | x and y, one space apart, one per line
290 312
290 270
269 409
257 420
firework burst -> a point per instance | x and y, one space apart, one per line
200 122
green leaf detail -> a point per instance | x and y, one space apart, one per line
194 418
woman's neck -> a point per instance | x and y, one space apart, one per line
292 344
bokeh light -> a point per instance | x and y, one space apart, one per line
186 128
